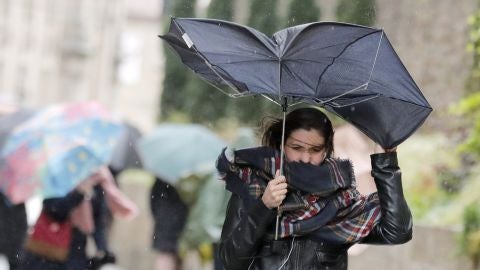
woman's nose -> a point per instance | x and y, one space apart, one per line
305 157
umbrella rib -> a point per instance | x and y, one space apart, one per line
209 65
240 54
367 99
246 61
344 49
336 105
364 86
375 59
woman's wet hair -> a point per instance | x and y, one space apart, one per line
302 118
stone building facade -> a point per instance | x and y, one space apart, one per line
55 51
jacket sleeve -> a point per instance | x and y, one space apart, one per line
100 216
243 231
395 226
60 208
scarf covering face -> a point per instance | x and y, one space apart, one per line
322 201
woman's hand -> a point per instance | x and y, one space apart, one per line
275 192
103 174
86 188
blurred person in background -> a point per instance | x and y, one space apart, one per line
13 230
169 214
85 208
321 214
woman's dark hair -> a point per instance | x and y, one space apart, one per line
302 118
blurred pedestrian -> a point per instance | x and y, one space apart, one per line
13 229
169 214
308 217
81 214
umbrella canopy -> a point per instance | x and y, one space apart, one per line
125 154
55 149
10 121
350 70
174 151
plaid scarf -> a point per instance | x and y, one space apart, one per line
322 202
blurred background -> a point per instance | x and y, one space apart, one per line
56 51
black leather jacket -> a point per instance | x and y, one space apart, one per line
246 235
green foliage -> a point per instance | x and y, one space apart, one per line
206 104
470 236
263 16
421 176
220 9
301 12
469 108
473 46
356 11
176 74
186 96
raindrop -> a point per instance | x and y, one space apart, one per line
352 108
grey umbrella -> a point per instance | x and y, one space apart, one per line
350 70
125 154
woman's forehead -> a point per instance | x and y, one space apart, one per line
309 137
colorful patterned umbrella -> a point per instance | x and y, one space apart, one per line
55 149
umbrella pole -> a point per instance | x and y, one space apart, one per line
284 109
282 150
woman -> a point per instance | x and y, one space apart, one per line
321 213
85 207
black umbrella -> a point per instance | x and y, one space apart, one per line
350 70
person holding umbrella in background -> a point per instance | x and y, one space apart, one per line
169 215
178 155
308 217
84 208
51 154
13 217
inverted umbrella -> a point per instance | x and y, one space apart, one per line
55 149
350 70
174 151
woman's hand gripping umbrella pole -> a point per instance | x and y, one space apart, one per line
276 190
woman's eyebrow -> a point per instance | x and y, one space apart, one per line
314 145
